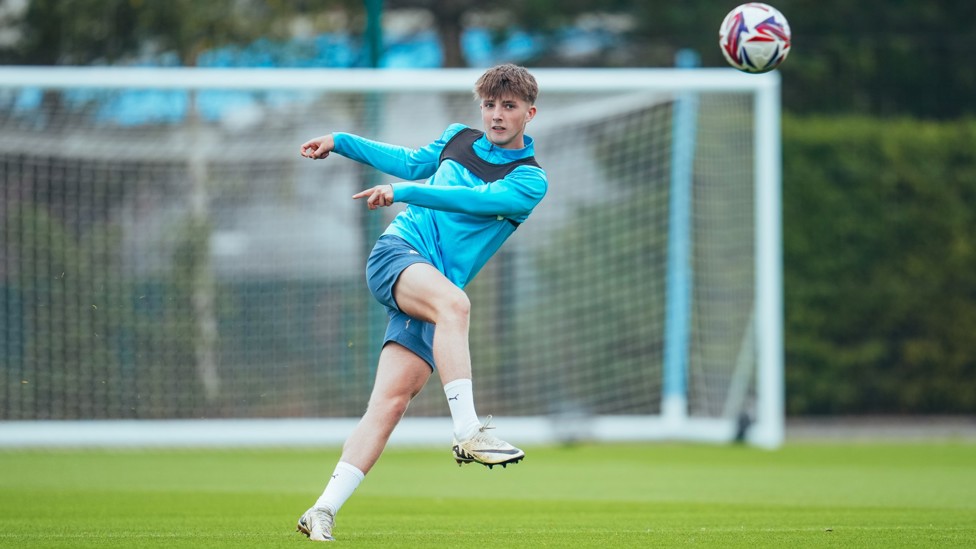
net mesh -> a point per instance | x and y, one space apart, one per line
167 254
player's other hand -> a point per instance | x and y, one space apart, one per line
377 197
319 147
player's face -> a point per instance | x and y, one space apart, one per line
505 120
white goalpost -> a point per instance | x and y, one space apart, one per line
173 274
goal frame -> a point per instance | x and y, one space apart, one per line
674 423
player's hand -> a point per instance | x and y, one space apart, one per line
318 148
377 197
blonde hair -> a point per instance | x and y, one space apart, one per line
507 79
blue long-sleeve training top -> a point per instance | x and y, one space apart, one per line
454 218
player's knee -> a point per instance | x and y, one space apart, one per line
397 407
389 407
456 306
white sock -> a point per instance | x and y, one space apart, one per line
460 399
343 483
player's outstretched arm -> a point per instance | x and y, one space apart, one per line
517 194
377 197
319 147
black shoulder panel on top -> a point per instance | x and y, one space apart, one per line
460 150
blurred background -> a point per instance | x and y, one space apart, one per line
879 143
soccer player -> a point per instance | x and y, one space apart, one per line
479 186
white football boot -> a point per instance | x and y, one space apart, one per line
486 449
317 524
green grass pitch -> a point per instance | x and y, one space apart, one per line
650 495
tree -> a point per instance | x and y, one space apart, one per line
447 16
83 32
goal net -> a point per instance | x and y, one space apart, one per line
171 271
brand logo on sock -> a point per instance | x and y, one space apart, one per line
455 397
335 475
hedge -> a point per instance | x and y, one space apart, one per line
879 265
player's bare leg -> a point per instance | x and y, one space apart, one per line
424 293
400 375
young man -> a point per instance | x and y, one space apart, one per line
478 188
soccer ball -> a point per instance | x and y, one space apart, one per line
754 37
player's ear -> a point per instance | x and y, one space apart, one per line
530 114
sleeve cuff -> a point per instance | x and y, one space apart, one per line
398 190
339 140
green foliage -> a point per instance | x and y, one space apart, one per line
189 27
84 32
880 243
78 32
877 57
883 58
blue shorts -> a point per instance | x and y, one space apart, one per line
390 256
